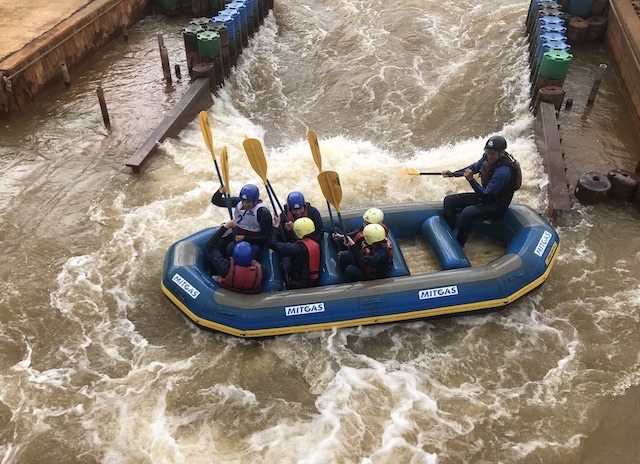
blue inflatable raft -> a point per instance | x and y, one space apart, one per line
531 249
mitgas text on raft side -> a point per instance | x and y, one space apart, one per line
531 247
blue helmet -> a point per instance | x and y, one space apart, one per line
242 254
295 200
250 193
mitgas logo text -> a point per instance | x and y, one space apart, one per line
543 243
438 292
304 309
186 286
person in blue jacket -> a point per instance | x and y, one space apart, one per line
500 177
297 208
252 220
372 259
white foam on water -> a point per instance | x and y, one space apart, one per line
132 381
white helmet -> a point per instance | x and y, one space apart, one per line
374 233
373 216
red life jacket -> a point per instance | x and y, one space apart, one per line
243 279
292 218
313 250
359 237
380 271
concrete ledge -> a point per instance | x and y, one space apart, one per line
548 141
28 71
197 98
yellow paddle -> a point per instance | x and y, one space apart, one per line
332 190
203 119
317 158
255 153
224 163
315 149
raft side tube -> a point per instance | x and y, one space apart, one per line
330 271
444 244
400 268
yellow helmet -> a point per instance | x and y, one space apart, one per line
373 233
303 226
373 216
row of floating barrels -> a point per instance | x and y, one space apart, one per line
549 56
194 8
594 187
553 27
214 43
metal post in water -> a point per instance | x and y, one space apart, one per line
160 41
178 72
166 67
596 84
65 75
569 104
125 29
103 108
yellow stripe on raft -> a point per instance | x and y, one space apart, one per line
421 314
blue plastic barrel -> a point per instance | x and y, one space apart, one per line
546 25
535 7
553 28
237 27
255 7
544 21
550 20
548 37
243 7
228 21
235 15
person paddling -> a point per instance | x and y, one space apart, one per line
240 272
373 259
300 260
297 208
500 176
252 218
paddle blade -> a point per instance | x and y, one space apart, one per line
331 189
315 149
411 172
203 119
255 153
224 164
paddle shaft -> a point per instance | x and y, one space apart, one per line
455 174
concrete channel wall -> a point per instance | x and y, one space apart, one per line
623 43
24 74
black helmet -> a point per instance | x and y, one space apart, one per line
495 143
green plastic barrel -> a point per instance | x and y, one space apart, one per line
220 29
555 64
209 44
190 36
